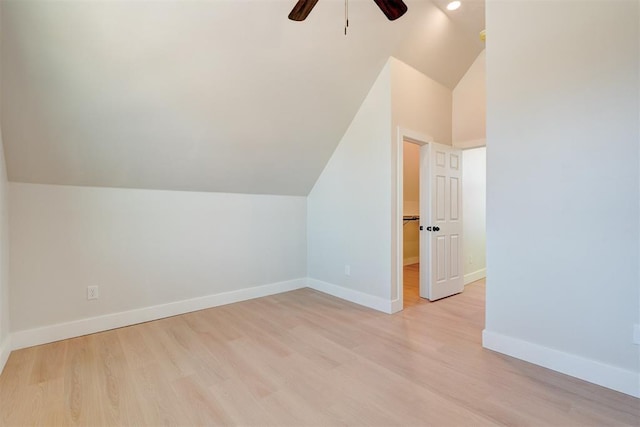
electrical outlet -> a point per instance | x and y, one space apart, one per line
92 292
636 334
347 270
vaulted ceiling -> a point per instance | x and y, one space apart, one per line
213 95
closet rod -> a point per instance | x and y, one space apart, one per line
408 218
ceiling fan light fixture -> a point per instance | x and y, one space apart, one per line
392 9
454 5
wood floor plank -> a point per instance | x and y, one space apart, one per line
158 399
81 389
49 362
241 406
301 358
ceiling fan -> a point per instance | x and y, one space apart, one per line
393 9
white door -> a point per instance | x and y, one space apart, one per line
441 265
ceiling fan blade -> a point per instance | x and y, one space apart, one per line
393 9
302 9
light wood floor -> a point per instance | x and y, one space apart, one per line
299 358
411 289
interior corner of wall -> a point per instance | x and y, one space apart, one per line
472 143
5 351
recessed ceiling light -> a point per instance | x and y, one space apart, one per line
453 5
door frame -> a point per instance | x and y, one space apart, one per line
397 279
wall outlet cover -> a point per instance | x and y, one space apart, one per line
636 334
347 270
92 292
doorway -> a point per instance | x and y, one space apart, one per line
474 204
449 262
411 223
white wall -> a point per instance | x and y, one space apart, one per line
349 208
474 196
419 103
352 214
562 181
4 262
143 248
411 202
422 107
469 105
469 130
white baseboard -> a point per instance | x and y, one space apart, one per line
5 351
411 260
476 275
351 295
609 376
396 306
76 328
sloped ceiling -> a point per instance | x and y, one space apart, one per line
225 96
